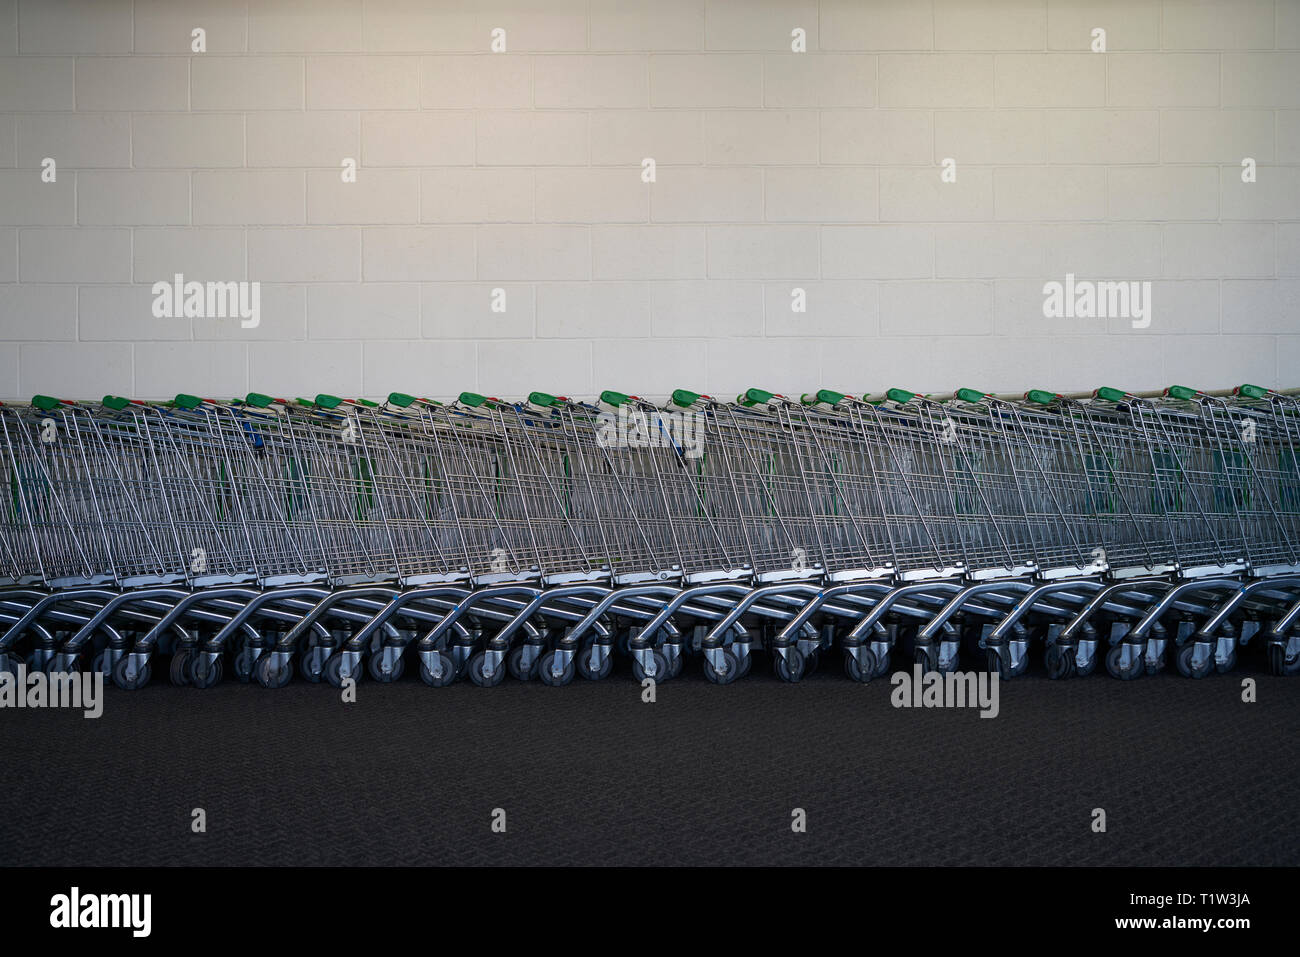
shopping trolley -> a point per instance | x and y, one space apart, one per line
542 538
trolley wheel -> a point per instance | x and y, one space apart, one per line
448 672
1278 663
334 670
63 664
179 671
676 663
244 661
1115 663
270 675
1020 667
1150 667
606 664
200 673
727 676
1060 662
927 657
860 672
745 661
882 663
1223 667
1189 667
546 671
131 683
9 664
98 663
663 670
790 666
810 662
376 668
515 665
477 676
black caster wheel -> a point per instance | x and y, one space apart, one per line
269 674
790 666
9 664
810 662
1189 667
745 662
995 661
1279 664
882 664
63 664
396 668
446 675
1118 669
477 676
1228 663
335 674
311 664
179 672
584 663
131 682
663 671
927 658
547 673
97 664
863 671
730 672
515 664
1060 662
462 668
201 672
244 662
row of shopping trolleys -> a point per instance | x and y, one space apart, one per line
543 539
552 635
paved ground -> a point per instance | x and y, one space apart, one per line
588 774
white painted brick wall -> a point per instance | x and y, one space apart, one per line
20 301
75 26
8 141
203 368
37 83
521 171
163 26
75 140
128 197
213 140
203 254
407 253
8 255
132 83
457 310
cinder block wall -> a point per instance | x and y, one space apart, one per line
522 171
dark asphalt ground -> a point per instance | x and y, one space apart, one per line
1187 773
